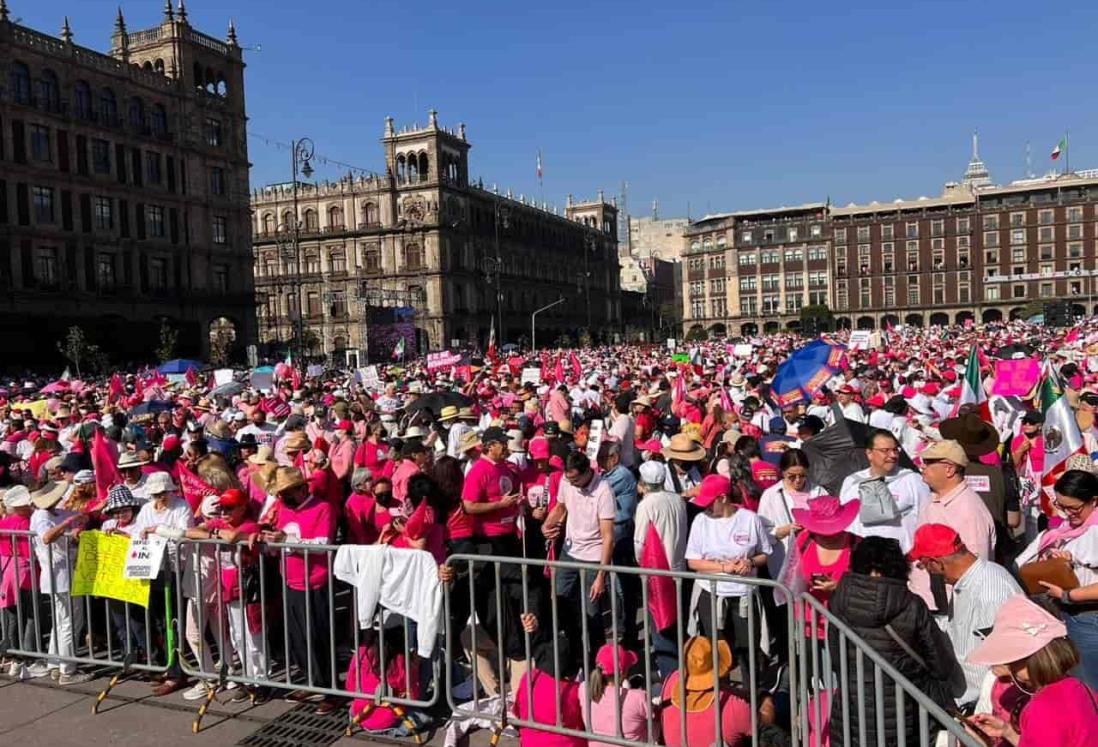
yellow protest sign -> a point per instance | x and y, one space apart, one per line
39 408
99 564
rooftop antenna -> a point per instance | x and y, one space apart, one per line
1029 162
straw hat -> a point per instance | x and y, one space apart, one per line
129 460
296 441
159 482
263 455
449 412
49 494
470 440
287 478
683 448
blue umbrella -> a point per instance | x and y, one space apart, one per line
180 366
806 370
152 407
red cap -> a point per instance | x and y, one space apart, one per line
171 442
232 498
934 541
344 425
931 388
847 389
950 375
877 400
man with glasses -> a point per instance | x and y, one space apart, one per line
908 491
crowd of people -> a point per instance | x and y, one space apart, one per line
923 520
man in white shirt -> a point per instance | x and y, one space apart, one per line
624 428
55 547
906 486
851 409
979 589
664 510
265 433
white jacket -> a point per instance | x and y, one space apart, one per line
401 580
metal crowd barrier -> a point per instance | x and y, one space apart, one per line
203 563
829 679
58 628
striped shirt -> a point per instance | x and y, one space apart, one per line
977 596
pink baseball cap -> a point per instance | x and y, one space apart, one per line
604 658
539 448
712 487
1021 628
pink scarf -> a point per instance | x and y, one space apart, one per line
1064 533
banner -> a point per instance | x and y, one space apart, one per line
145 557
369 377
531 376
680 358
742 350
98 572
860 339
1016 378
594 439
443 359
222 376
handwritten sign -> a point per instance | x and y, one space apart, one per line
860 339
594 439
223 376
443 359
369 377
99 565
531 375
145 558
671 344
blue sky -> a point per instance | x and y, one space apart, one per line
716 106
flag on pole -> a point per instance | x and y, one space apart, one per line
539 166
577 369
1061 433
1060 148
103 461
66 375
398 351
972 387
192 377
492 341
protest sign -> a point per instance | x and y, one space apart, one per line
223 376
671 344
860 339
594 438
314 371
145 558
742 350
262 379
98 572
681 357
1016 378
443 359
370 377
531 375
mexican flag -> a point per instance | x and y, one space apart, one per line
1060 148
972 387
1061 433
398 351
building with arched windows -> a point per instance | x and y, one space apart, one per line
424 236
123 190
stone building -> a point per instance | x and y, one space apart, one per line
123 189
425 238
652 236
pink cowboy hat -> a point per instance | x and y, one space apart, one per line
827 515
1021 629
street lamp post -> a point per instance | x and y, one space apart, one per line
301 154
589 246
533 323
503 215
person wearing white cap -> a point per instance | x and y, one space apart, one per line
16 598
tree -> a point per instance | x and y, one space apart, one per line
818 311
168 338
221 347
75 347
696 333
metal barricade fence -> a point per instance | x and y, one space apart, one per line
488 585
824 679
240 599
52 628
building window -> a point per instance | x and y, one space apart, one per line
937 228
40 143
221 278
46 270
991 222
43 204
1047 251
1046 217
991 238
158 120
1046 233
338 260
101 156
20 83
212 130
1075 250
371 260
158 273
104 213
1075 232
912 230
963 225
108 108
1018 236
312 223
1017 219
137 114
217 181
863 233
748 260
913 289
991 293
312 262
815 231
104 272
1074 214
817 253
840 235
748 283
792 235
154 220
220 229
82 100
1018 291
152 168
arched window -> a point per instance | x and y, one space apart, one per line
287 221
268 223
108 107
369 214
49 95
371 259
137 113
311 221
158 120
147 66
211 81
413 168
222 87
423 167
199 76
20 83
401 170
413 257
337 260
335 217
158 66
82 99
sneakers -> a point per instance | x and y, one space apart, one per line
75 678
41 669
200 691
14 668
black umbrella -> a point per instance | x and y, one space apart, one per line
1007 351
152 407
838 451
435 401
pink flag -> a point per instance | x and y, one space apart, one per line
577 370
558 371
117 389
192 377
194 488
103 462
678 391
726 401
1016 378
661 589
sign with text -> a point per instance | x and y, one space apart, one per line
145 558
671 344
369 377
860 339
742 350
531 375
594 439
99 570
443 359
223 376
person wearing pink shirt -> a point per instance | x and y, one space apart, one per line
611 695
373 450
16 582
302 519
342 452
414 459
366 511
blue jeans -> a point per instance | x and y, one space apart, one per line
1082 629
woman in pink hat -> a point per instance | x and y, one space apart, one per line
824 547
1030 647
611 695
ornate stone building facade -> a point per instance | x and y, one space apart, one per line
424 236
123 189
